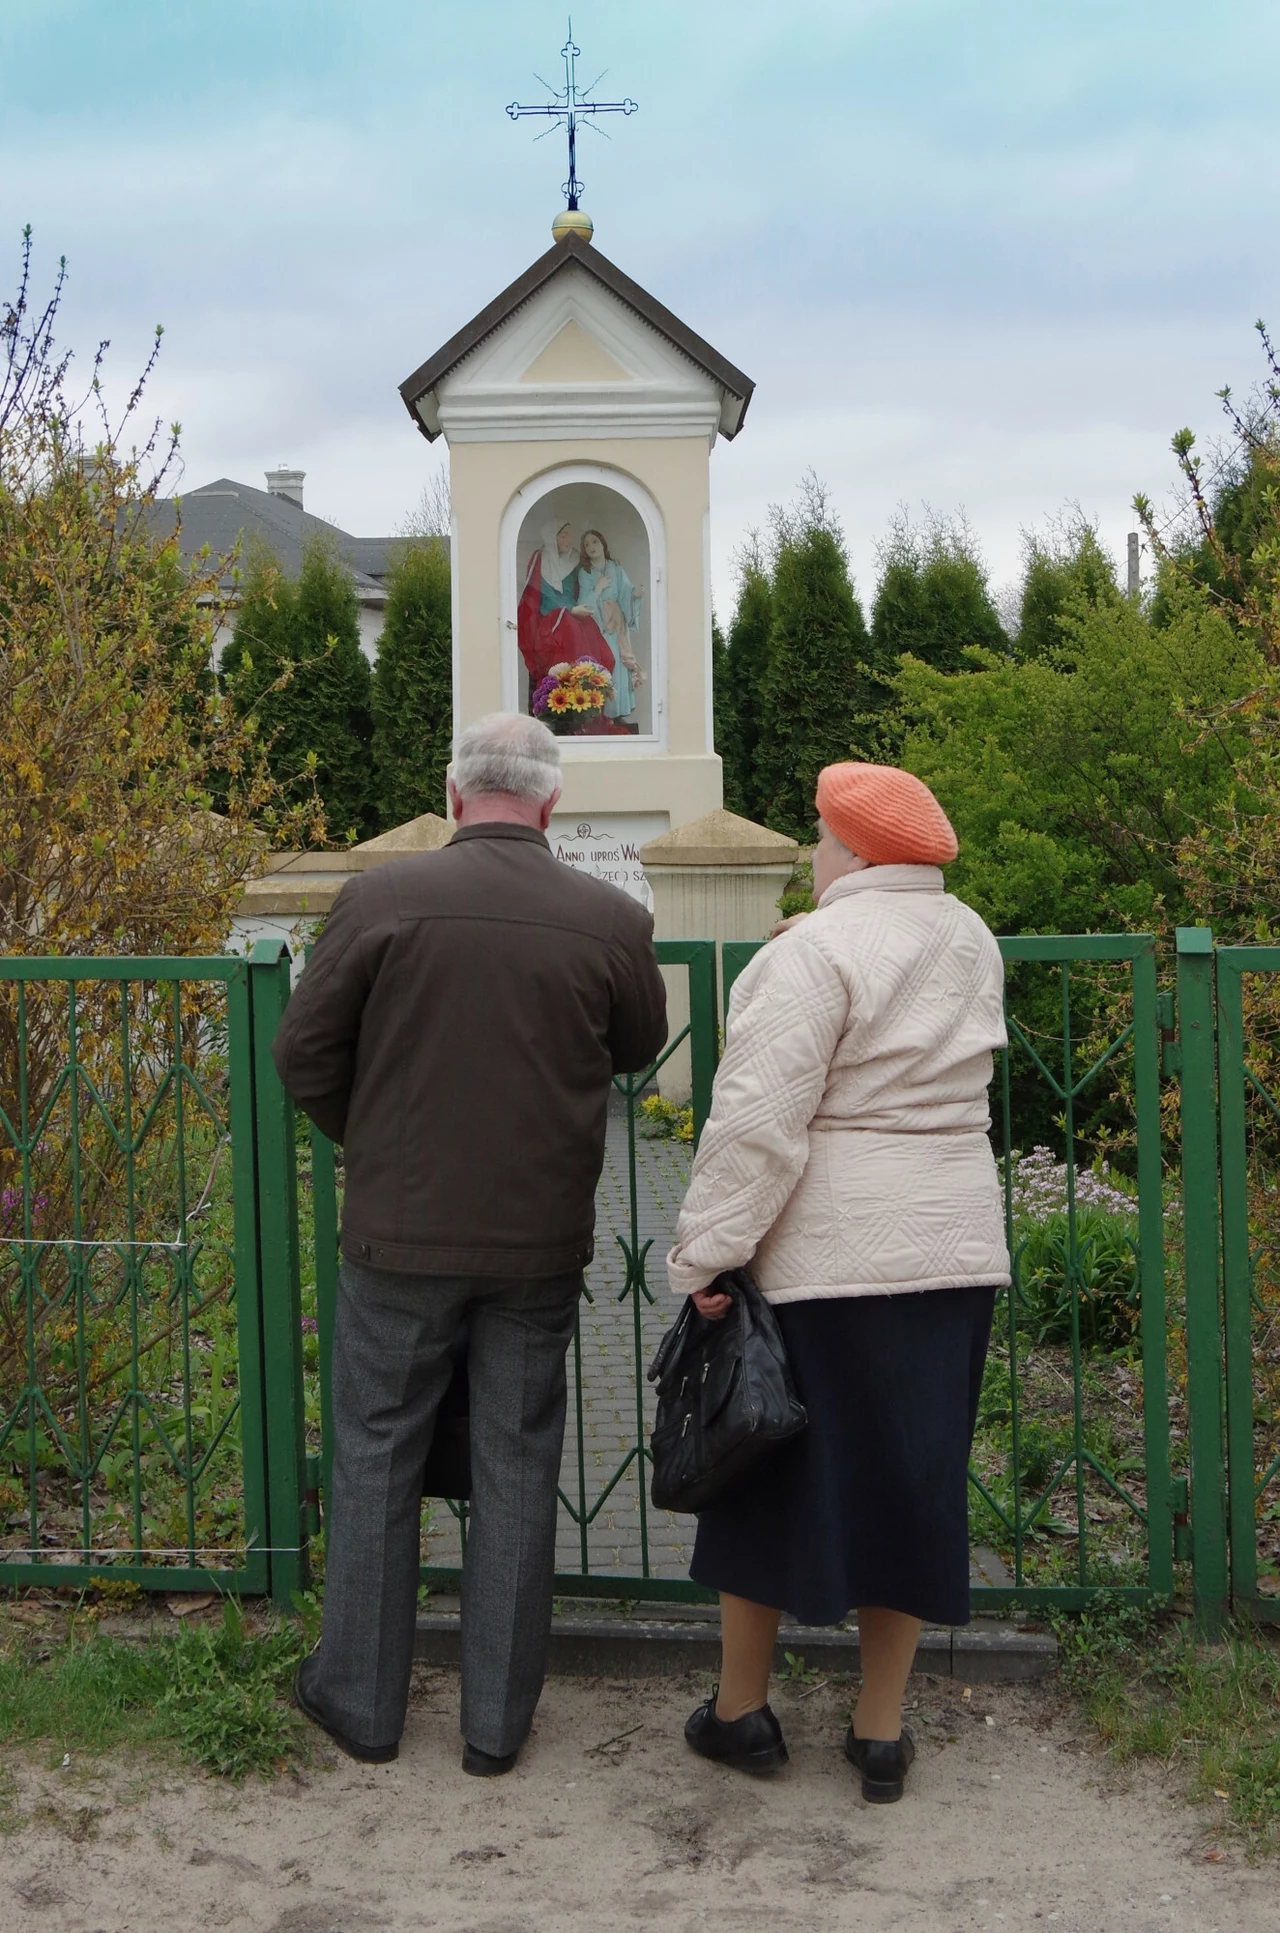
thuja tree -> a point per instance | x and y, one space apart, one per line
1063 569
295 671
740 692
413 686
933 600
722 710
822 692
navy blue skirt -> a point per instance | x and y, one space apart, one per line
870 1505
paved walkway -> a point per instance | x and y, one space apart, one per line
616 1330
614 1333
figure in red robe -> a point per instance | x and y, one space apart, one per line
549 629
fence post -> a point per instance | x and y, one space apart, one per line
1201 1228
281 1279
704 1032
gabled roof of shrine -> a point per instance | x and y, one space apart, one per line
573 249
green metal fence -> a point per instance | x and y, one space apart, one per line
167 1246
1249 1111
1071 1478
144 1281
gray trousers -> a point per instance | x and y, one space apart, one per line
391 1343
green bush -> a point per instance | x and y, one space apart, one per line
1106 1274
214 1690
797 896
665 1121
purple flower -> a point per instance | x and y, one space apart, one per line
11 1210
309 1325
1040 1187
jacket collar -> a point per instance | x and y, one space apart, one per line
886 879
499 829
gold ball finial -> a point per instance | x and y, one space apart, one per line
572 221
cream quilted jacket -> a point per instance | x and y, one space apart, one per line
846 1152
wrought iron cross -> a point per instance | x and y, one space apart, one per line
569 104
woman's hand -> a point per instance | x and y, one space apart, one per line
711 1304
784 926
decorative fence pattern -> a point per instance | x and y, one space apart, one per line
132 1425
168 1266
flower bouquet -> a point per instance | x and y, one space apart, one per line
571 698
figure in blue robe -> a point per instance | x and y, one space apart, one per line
606 593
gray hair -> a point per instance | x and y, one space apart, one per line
506 752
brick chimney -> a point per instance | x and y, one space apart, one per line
287 483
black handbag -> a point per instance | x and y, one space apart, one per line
725 1397
447 1471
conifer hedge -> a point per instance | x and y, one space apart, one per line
413 686
295 664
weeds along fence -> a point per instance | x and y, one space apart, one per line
169 1256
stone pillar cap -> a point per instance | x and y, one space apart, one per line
720 838
425 834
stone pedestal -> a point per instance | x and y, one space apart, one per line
297 889
718 878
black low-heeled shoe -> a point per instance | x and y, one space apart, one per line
366 1754
883 1763
752 1743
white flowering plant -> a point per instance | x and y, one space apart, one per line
1105 1254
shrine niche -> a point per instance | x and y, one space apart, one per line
583 571
580 415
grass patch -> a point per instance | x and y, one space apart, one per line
216 1693
1210 1711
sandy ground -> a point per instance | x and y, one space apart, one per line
1011 1821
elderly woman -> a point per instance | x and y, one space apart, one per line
846 1161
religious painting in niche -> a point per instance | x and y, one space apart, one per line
582 624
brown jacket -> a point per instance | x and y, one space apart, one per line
457 1029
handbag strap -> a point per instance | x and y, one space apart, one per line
672 1343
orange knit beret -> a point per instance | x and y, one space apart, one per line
888 817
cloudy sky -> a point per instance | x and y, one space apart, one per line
981 254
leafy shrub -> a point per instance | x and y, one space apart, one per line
218 1692
225 1696
797 896
1105 1258
1106 1278
665 1121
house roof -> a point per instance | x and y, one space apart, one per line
225 513
573 249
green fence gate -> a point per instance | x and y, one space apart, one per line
1073 1489
148 1276
604 1476
1071 1482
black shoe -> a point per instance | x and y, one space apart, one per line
367 1754
883 1763
484 1765
753 1743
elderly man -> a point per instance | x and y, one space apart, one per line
457 1030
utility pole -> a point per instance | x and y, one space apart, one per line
1134 584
